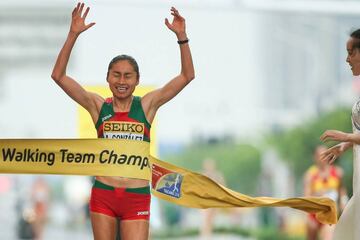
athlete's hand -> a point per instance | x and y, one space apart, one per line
178 23
331 154
78 19
334 135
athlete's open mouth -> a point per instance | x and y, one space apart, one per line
122 88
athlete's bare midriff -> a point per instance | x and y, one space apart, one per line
123 182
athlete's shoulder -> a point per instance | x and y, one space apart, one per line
338 170
108 100
312 171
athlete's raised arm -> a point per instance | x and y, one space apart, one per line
69 85
153 100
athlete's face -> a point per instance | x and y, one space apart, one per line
353 57
122 79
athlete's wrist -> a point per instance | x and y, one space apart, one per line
352 137
73 34
348 145
183 41
181 36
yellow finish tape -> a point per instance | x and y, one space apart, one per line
94 157
194 190
131 159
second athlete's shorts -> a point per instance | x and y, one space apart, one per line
123 203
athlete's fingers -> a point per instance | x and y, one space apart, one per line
89 25
328 135
81 8
323 136
323 157
167 23
327 158
334 157
326 152
177 14
73 12
86 12
77 7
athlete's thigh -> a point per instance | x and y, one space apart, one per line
134 229
104 226
312 228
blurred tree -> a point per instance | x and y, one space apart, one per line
172 213
239 163
296 145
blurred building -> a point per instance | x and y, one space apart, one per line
302 57
31 33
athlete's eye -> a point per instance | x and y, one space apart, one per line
128 75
